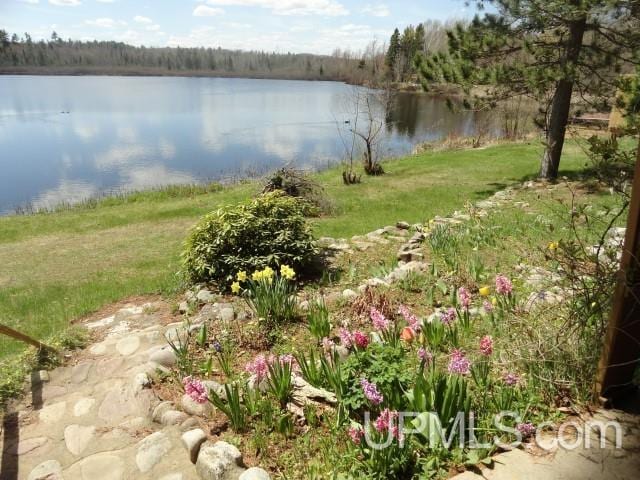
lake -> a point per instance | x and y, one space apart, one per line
64 139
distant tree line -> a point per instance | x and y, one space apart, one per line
379 63
21 54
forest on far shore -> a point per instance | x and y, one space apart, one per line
377 64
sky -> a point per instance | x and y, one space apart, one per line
312 26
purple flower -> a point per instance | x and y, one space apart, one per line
425 355
410 318
448 316
195 389
526 429
486 345
371 392
511 379
346 337
464 297
380 322
488 307
503 285
459 363
216 346
356 433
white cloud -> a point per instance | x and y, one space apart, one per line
141 19
290 7
66 3
104 22
152 28
379 10
204 11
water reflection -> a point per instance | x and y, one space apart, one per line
65 138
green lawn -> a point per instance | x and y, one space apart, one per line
59 266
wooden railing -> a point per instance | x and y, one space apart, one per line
21 337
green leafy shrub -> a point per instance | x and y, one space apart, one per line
270 230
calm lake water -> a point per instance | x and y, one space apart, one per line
64 139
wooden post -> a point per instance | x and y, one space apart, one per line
621 352
4 330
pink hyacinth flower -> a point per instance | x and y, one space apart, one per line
503 285
459 363
195 389
371 392
486 345
380 322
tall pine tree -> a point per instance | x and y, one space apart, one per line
550 50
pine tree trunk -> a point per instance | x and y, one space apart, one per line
561 104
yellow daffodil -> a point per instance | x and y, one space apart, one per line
553 246
241 276
494 301
257 275
287 272
235 287
268 272
484 291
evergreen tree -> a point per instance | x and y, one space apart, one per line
550 50
394 49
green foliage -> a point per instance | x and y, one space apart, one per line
232 406
383 364
318 318
270 230
279 381
274 302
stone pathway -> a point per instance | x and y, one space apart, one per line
595 461
94 420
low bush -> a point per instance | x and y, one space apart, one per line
269 230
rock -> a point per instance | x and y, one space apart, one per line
305 393
255 473
189 424
98 349
417 237
173 417
205 296
164 356
30 444
349 294
183 307
218 461
339 247
192 407
377 282
160 410
172 476
403 225
227 314
100 323
49 470
253 384
410 255
213 386
77 437
83 406
141 381
128 345
102 466
303 305
151 450
192 441
80 372
176 334
362 246
52 413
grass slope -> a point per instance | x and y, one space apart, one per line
62 265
